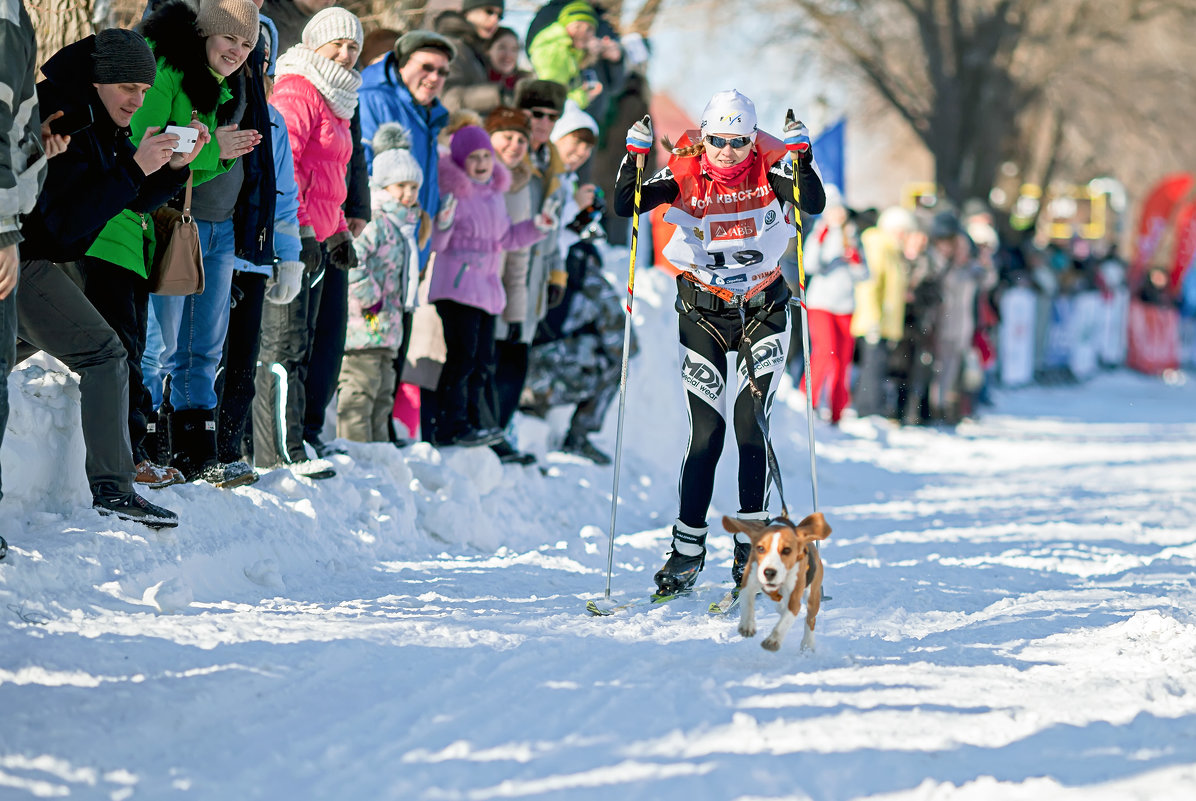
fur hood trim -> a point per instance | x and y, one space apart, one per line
175 40
454 181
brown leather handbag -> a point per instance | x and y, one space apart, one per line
177 268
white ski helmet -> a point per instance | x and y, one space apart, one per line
729 113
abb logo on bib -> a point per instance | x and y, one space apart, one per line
733 229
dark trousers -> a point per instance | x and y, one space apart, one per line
468 374
8 358
279 400
121 296
510 374
235 380
330 317
55 316
872 388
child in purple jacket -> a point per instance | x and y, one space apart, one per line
473 231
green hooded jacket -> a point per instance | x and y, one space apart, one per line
556 59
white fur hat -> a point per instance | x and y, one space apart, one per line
729 113
572 119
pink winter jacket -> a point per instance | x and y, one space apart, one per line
469 255
322 146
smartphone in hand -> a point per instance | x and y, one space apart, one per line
187 137
72 122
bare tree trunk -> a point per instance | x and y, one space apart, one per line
399 15
58 23
645 18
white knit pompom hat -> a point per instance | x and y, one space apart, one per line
729 113
393 162
331 24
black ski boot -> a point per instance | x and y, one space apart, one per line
681 570
109 499
743 550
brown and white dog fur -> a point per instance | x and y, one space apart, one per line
783 564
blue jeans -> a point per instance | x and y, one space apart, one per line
186 334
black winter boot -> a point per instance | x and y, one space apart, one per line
193 432
684 563
189 441
509 454
157 435
579 444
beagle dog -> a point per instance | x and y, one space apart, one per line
782 564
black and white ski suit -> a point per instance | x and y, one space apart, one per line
709 328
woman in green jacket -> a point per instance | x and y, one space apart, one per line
196 53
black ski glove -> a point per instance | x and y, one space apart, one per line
341 254
556 294
310 253
514 332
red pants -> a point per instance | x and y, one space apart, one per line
831 349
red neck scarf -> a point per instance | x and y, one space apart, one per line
728 176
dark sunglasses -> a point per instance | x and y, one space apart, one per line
538 114
441 71
735 142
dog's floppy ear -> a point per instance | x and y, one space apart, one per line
814 527
755 529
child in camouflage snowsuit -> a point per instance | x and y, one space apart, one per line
578 352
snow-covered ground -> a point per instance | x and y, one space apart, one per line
1011 616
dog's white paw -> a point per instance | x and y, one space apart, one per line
807 641
747 629
771 643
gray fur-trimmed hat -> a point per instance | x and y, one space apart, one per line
408 43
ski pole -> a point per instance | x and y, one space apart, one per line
805 317
614 495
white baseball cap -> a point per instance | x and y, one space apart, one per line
729 113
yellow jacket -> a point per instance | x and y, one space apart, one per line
880 300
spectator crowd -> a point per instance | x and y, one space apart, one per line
401 221
916 315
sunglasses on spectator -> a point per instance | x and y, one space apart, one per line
441 71
736 142
539 114
493 11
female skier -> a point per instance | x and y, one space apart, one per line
730 188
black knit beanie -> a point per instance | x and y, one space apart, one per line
123 56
